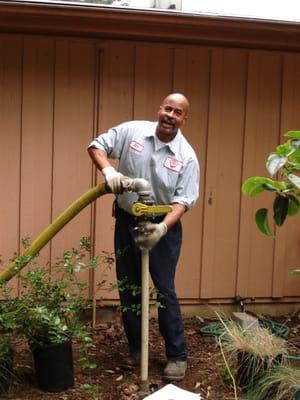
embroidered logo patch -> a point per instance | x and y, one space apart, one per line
136 146
173 164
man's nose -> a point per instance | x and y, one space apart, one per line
171 113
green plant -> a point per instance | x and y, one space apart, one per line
284 161
155 295
249 353
280 382
93 390
7 374
5 347
48 308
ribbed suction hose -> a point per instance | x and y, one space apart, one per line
139 185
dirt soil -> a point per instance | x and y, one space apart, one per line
205 374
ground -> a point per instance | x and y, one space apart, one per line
205 374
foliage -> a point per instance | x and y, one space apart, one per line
280 382
5 347
7 340
50 301
257 341
136 291
284 161
249 353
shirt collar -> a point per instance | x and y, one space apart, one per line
174 145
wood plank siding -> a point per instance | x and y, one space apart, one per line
56 93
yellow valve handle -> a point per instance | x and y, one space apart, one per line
139 209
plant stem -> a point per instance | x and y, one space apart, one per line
228 369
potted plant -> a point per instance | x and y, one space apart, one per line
47 315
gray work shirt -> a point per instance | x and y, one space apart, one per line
172 168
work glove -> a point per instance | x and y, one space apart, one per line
149 234
113 179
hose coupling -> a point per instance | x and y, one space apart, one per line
140 186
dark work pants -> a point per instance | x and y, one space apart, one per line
163 260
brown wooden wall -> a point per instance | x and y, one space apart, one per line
57 93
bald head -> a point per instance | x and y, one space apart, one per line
172 115
180 99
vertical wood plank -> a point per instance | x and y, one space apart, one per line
223 176
73 124
256 251
11 55
153 79
37 145
191 77
115 92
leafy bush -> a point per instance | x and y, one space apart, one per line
284 161
48 308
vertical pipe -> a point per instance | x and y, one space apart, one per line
145 321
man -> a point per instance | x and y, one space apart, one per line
159 153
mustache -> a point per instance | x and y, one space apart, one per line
168 120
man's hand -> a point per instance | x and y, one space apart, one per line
113 179
150 234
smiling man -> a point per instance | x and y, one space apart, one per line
159 153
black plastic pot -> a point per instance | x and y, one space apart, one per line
297 395
54 366
6 372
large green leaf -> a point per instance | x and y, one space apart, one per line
294 206
293 134
284 149
269 188
280 208
274 163
294 156
294 179
256 184
261 219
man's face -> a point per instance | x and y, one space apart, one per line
171 116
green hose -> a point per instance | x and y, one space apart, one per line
216 329
52 230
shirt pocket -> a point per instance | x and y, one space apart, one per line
133 162
172 177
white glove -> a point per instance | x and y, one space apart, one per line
150 234
113 179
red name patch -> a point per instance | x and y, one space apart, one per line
173 164
136 146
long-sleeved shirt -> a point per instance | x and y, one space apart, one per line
172 168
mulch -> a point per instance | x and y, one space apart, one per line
205 375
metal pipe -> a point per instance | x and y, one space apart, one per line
139 185
144 384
